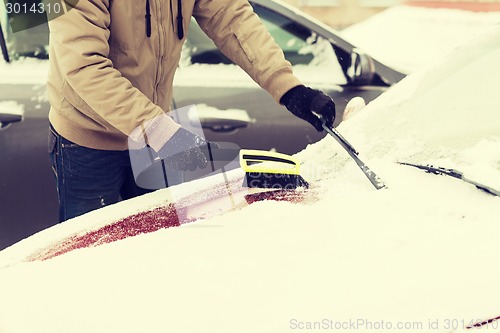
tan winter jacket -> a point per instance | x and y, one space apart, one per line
108 78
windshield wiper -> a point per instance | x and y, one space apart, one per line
455 174
3 45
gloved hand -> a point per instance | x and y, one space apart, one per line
303 101
186 151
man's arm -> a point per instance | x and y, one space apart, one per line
239 33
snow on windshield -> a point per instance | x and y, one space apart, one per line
420 254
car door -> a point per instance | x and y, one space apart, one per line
28 196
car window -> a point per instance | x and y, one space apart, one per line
294 39
26 33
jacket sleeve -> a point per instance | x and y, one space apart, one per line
79 44
239 33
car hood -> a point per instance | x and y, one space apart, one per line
406 255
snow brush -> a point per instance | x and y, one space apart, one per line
372 177
271 170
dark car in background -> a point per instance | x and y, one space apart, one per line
230 106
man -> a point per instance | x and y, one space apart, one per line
112 65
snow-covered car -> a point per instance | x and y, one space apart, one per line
232 108
415 34
417 256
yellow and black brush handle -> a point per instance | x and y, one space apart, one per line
268 162
264 169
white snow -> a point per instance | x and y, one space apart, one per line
421 253
205 111
408 37
354 105
24 71
11 107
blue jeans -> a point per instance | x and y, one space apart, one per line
88 179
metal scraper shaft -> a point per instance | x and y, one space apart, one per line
372 177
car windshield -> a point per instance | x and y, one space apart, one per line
27 34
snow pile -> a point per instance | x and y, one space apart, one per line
407 37
203 111
11 107
24 71
446 114
449 104
416 257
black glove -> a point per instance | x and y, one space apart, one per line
303 101
185 151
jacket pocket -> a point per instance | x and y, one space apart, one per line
75 100
128 25
242 41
